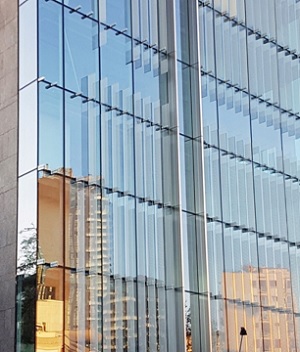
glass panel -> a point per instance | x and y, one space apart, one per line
50 128
147 97
28 42
25 311
87 7
49 308
141 307
263 73
26 271
84 320
27 224
172 248
184 101
84 306
50 224
215 258
81 71
175 320
256 264
192 323
77 211
209 109
116 74
207 41
218 332
212 182
116 12
122 244
182 35
141 240
50 41
290 136
191 274
152 316
117 144
28 129
130 315
234 122
82 140
148 162
187 174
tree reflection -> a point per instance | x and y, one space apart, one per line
188 327
27 250
26 311
26 290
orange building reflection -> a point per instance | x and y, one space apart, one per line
260 300
79 300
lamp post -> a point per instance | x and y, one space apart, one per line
243 333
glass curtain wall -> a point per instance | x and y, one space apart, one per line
194 245
100 264
158 175
250 88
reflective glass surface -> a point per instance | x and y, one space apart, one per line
50 118
106 259
27 42
81 71
28 129
88 7
50 42
158 176
249 80
26 262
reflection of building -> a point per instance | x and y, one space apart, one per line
269 288
86 257
80 292
49 325
147 147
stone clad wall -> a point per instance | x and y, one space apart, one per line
8 168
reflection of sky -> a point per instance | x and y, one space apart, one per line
116 72
28 128
50 127
50 41
82 145
115 63
27 42
86 5
266 133
82 149
115 11
267 146
80 37
234 121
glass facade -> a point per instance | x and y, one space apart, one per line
158 175
250 111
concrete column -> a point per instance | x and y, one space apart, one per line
8 168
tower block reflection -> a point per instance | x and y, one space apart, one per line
82 305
